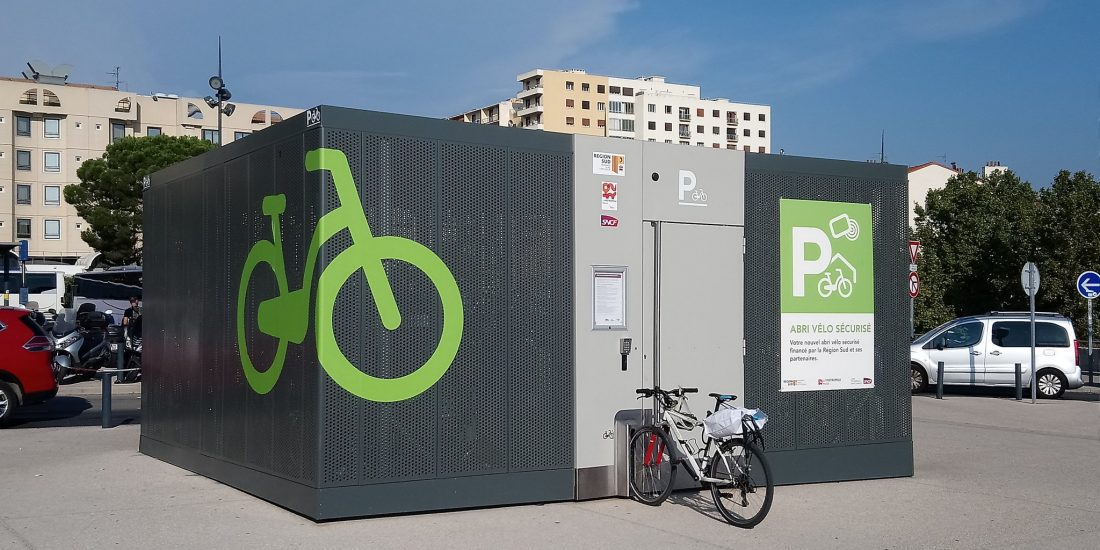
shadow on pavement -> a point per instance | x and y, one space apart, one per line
1080 394
68 411
699 501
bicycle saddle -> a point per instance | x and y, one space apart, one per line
723 397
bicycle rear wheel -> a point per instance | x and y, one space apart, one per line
652 470
745 497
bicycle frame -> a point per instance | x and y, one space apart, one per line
671 416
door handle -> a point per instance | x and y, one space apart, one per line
994 352
975 352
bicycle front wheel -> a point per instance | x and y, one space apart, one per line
652 471
744 496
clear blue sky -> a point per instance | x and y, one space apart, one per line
975 80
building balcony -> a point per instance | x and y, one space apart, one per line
685 135
533 91
524 111
685 118
732 138
731 121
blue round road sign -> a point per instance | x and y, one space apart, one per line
1088 284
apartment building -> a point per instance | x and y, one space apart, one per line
501 113
649 108
49 126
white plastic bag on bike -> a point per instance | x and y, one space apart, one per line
726 421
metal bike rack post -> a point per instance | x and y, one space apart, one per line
939 380
1019 382
105 403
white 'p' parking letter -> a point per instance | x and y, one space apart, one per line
800 237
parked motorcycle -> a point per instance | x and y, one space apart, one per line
81 348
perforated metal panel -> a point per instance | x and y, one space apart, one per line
833 418
495 206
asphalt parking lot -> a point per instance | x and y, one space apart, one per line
990 473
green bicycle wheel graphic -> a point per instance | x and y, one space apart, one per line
286 316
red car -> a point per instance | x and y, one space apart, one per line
26 362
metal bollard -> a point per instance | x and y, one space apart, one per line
105 417
1019 382
939 380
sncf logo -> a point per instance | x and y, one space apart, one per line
609 221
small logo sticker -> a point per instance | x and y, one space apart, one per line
609 199
609 221
313 117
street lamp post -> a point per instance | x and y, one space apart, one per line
221 94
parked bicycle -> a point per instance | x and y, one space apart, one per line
730 461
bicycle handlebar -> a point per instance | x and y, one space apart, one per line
678 392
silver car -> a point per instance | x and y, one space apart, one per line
982 350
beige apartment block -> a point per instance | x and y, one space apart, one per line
48 127
649 108
501 113
571 101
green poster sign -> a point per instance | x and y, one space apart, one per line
826 257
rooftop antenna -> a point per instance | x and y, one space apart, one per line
115 73
882 148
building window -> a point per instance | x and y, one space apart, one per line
211 136
699 144
240 135
745 147
585 87
629 92
152 131
685 143
731 134
22 160
700 129
668 109
118 131
600 88
51 127
614 89
748 116
52 196
600 105
668 126
748 133
652 125
700 112
568 84
569 103
586 105
568 121
616 107
53 229
761 150
586 122
628 107
52 162
651 108
760 117
22 193
715 145
760 133
22 125
685 114
600 123
49 99
622 124
716 113
23 228
714 130
731 117
685 131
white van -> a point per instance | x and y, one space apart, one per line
982 350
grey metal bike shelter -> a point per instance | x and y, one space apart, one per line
538 400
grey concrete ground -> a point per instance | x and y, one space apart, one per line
991 473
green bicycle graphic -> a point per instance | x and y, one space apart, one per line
286 316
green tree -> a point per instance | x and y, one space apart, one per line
1069 243
109 194
975 236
